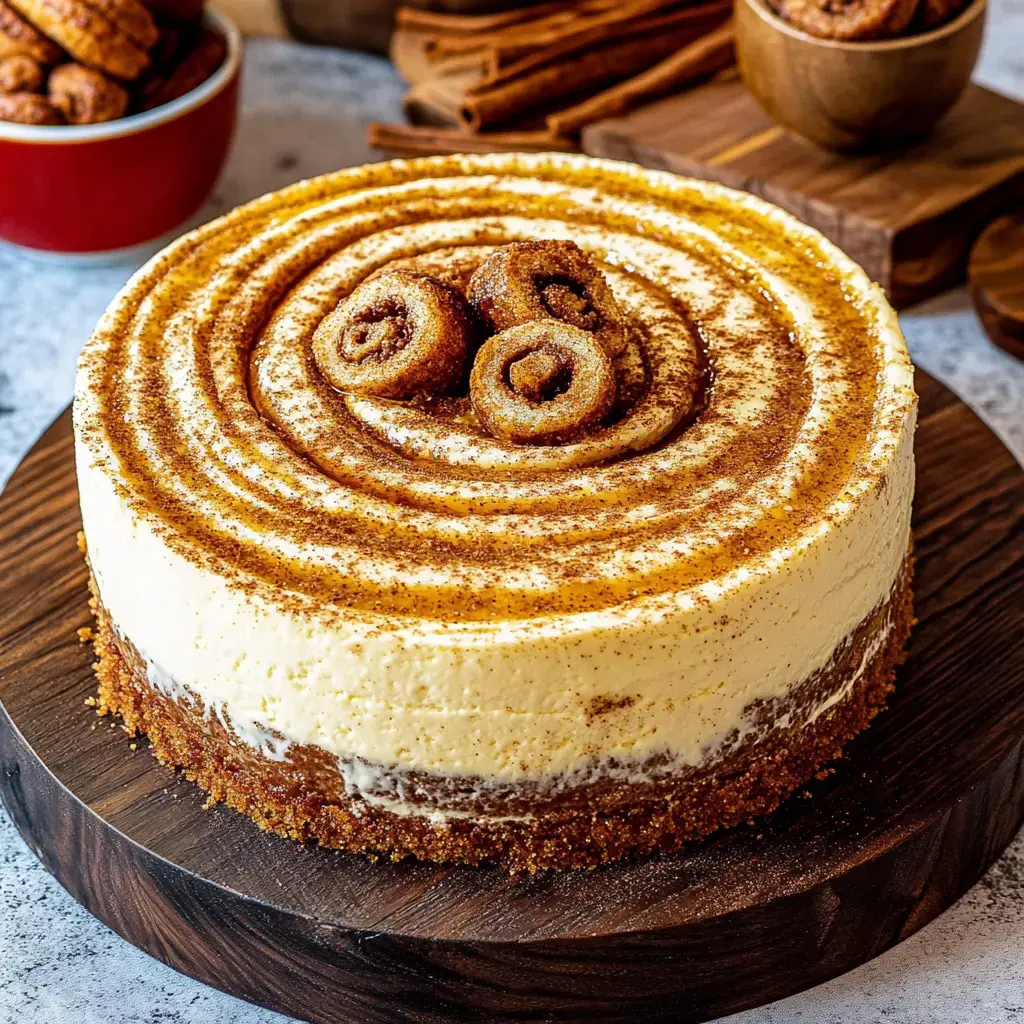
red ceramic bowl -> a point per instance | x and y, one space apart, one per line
100 188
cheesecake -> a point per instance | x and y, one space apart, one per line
523 509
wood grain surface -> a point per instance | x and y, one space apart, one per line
908 217
926 800
996 277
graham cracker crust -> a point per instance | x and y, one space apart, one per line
304 796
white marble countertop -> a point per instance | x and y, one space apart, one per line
304 111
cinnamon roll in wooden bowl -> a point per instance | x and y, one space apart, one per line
864 75
527 509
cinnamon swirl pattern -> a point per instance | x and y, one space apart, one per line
318 528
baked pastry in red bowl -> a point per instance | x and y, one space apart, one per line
98 188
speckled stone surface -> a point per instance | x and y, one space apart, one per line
303 114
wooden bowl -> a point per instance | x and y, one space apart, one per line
876 94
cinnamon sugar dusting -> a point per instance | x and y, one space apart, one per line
203 394
605 704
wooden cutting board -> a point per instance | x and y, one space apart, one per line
909 218
924 802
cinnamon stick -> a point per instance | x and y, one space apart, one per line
406 53
438 98
587 71
440 22
500 56
541 32
698 60
538 31
702 17
412 141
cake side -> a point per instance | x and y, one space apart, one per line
451 698
305 794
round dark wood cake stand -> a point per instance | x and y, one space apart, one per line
926 800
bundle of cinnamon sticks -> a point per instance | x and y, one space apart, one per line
533 77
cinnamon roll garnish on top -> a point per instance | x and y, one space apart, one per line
534 280
546 378
396 335
543 382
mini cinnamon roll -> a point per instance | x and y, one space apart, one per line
17 36
176 11
527 281
541 383
849 19
85 96
110 35
20 73
932 13
194 68
28 108
397 335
